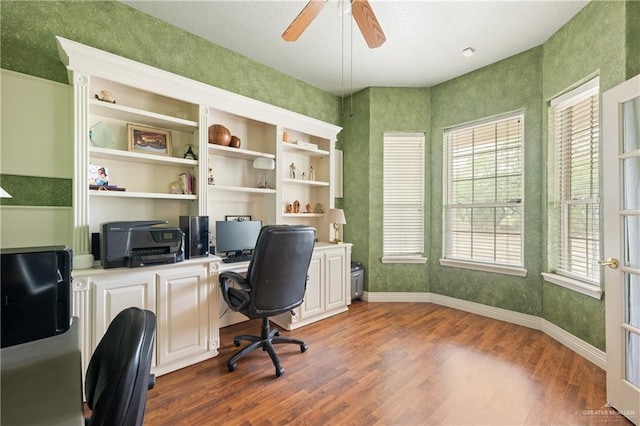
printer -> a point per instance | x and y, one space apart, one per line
140 243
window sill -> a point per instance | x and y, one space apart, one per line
582 287
403 259
485 267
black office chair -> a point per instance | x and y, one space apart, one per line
275 283
118 375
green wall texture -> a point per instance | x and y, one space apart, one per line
28 43
513 84
633 38
602 39
592 43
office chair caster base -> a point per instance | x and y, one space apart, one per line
303 348
236 343
232 367
279 371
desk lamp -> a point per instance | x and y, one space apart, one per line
264 164
336 216
4 194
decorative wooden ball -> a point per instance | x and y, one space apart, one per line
219 135
235 142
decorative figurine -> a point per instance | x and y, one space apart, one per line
302 177
288 208
105 96
176 188
292 171
296 206
189 154
319 208
308 208
312 173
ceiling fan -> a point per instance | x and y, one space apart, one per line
362 14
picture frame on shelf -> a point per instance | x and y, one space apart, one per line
98 175
239 218
148 140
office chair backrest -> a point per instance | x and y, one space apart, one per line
278 270
118 375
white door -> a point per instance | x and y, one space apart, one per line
621 161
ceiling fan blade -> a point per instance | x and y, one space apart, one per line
302 21
368 23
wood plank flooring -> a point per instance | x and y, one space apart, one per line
391 364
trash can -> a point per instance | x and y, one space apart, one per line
357 280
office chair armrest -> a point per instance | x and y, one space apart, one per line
236 299
233 276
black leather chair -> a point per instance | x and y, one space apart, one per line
275 283
118 375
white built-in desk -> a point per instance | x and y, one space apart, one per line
42 382
186 299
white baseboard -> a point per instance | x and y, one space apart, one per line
396 297
577 345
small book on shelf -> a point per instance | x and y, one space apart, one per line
188 183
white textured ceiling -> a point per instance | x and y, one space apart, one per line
424 43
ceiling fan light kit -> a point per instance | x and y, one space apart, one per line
361 11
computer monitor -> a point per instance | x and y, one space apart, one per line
233 237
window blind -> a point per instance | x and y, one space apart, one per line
403 195
483 186
576 204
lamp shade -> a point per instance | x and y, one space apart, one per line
4 194
263 163
336 216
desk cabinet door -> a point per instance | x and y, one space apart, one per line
335 280
314 296
118 292
182 313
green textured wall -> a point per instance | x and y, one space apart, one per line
510 85
395 110
376 111
355 140
593 42
633 38
28 46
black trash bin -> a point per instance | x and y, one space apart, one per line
357 280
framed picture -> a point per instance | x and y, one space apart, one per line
98 175
239 218
149 140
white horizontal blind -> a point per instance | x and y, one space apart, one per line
483 187
403 199
576 135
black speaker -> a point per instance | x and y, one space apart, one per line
196 235
95 245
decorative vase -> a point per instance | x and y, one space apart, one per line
235 142
219 135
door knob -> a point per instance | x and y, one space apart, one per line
612 263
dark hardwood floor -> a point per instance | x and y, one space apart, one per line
391 364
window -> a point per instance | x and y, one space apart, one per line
483 202
574 208
403 198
